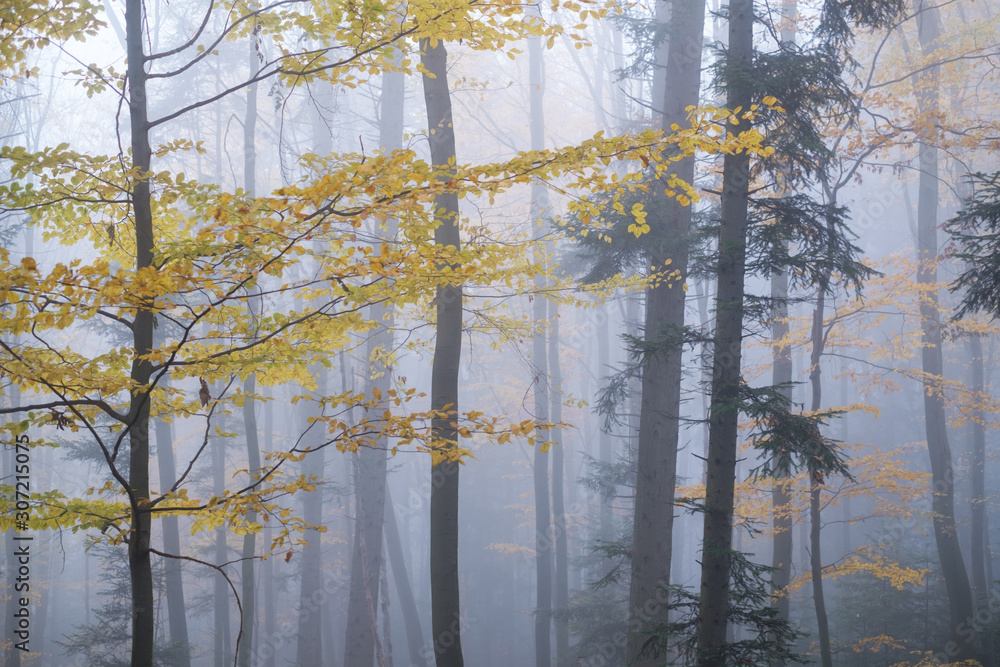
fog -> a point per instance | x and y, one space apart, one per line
360 334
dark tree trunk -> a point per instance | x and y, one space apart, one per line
140 568
659 412
446 619
942 474
721 464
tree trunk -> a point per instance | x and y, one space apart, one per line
781 499
659 412
446 620
721 464
980 554
308 650
220 598
606 531
407 603
366 563
248 564
140 568
942 474
268 648
173 574
540 370
561 602
815 488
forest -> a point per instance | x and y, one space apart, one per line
433 333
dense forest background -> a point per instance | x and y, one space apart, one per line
373 333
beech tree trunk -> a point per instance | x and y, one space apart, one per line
362 644
446 619
720 467
140 567
248 564
659 411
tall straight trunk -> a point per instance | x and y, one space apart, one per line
659 411
720 469
561 602
173 574
942 474
249 587
540 373
815 487
308 648
361 644
270 595
446 620
605 450
978 527
220 599
140 567
248 564
781 498
404 590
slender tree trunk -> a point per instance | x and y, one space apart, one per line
781 498
407 603
140 567
173 574
222 629
248 564
659 412
942 474
540 372
308 650
723 432
561 602
270 595
980 552
366 563
606 530
446 619
815 488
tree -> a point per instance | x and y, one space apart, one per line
659 417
